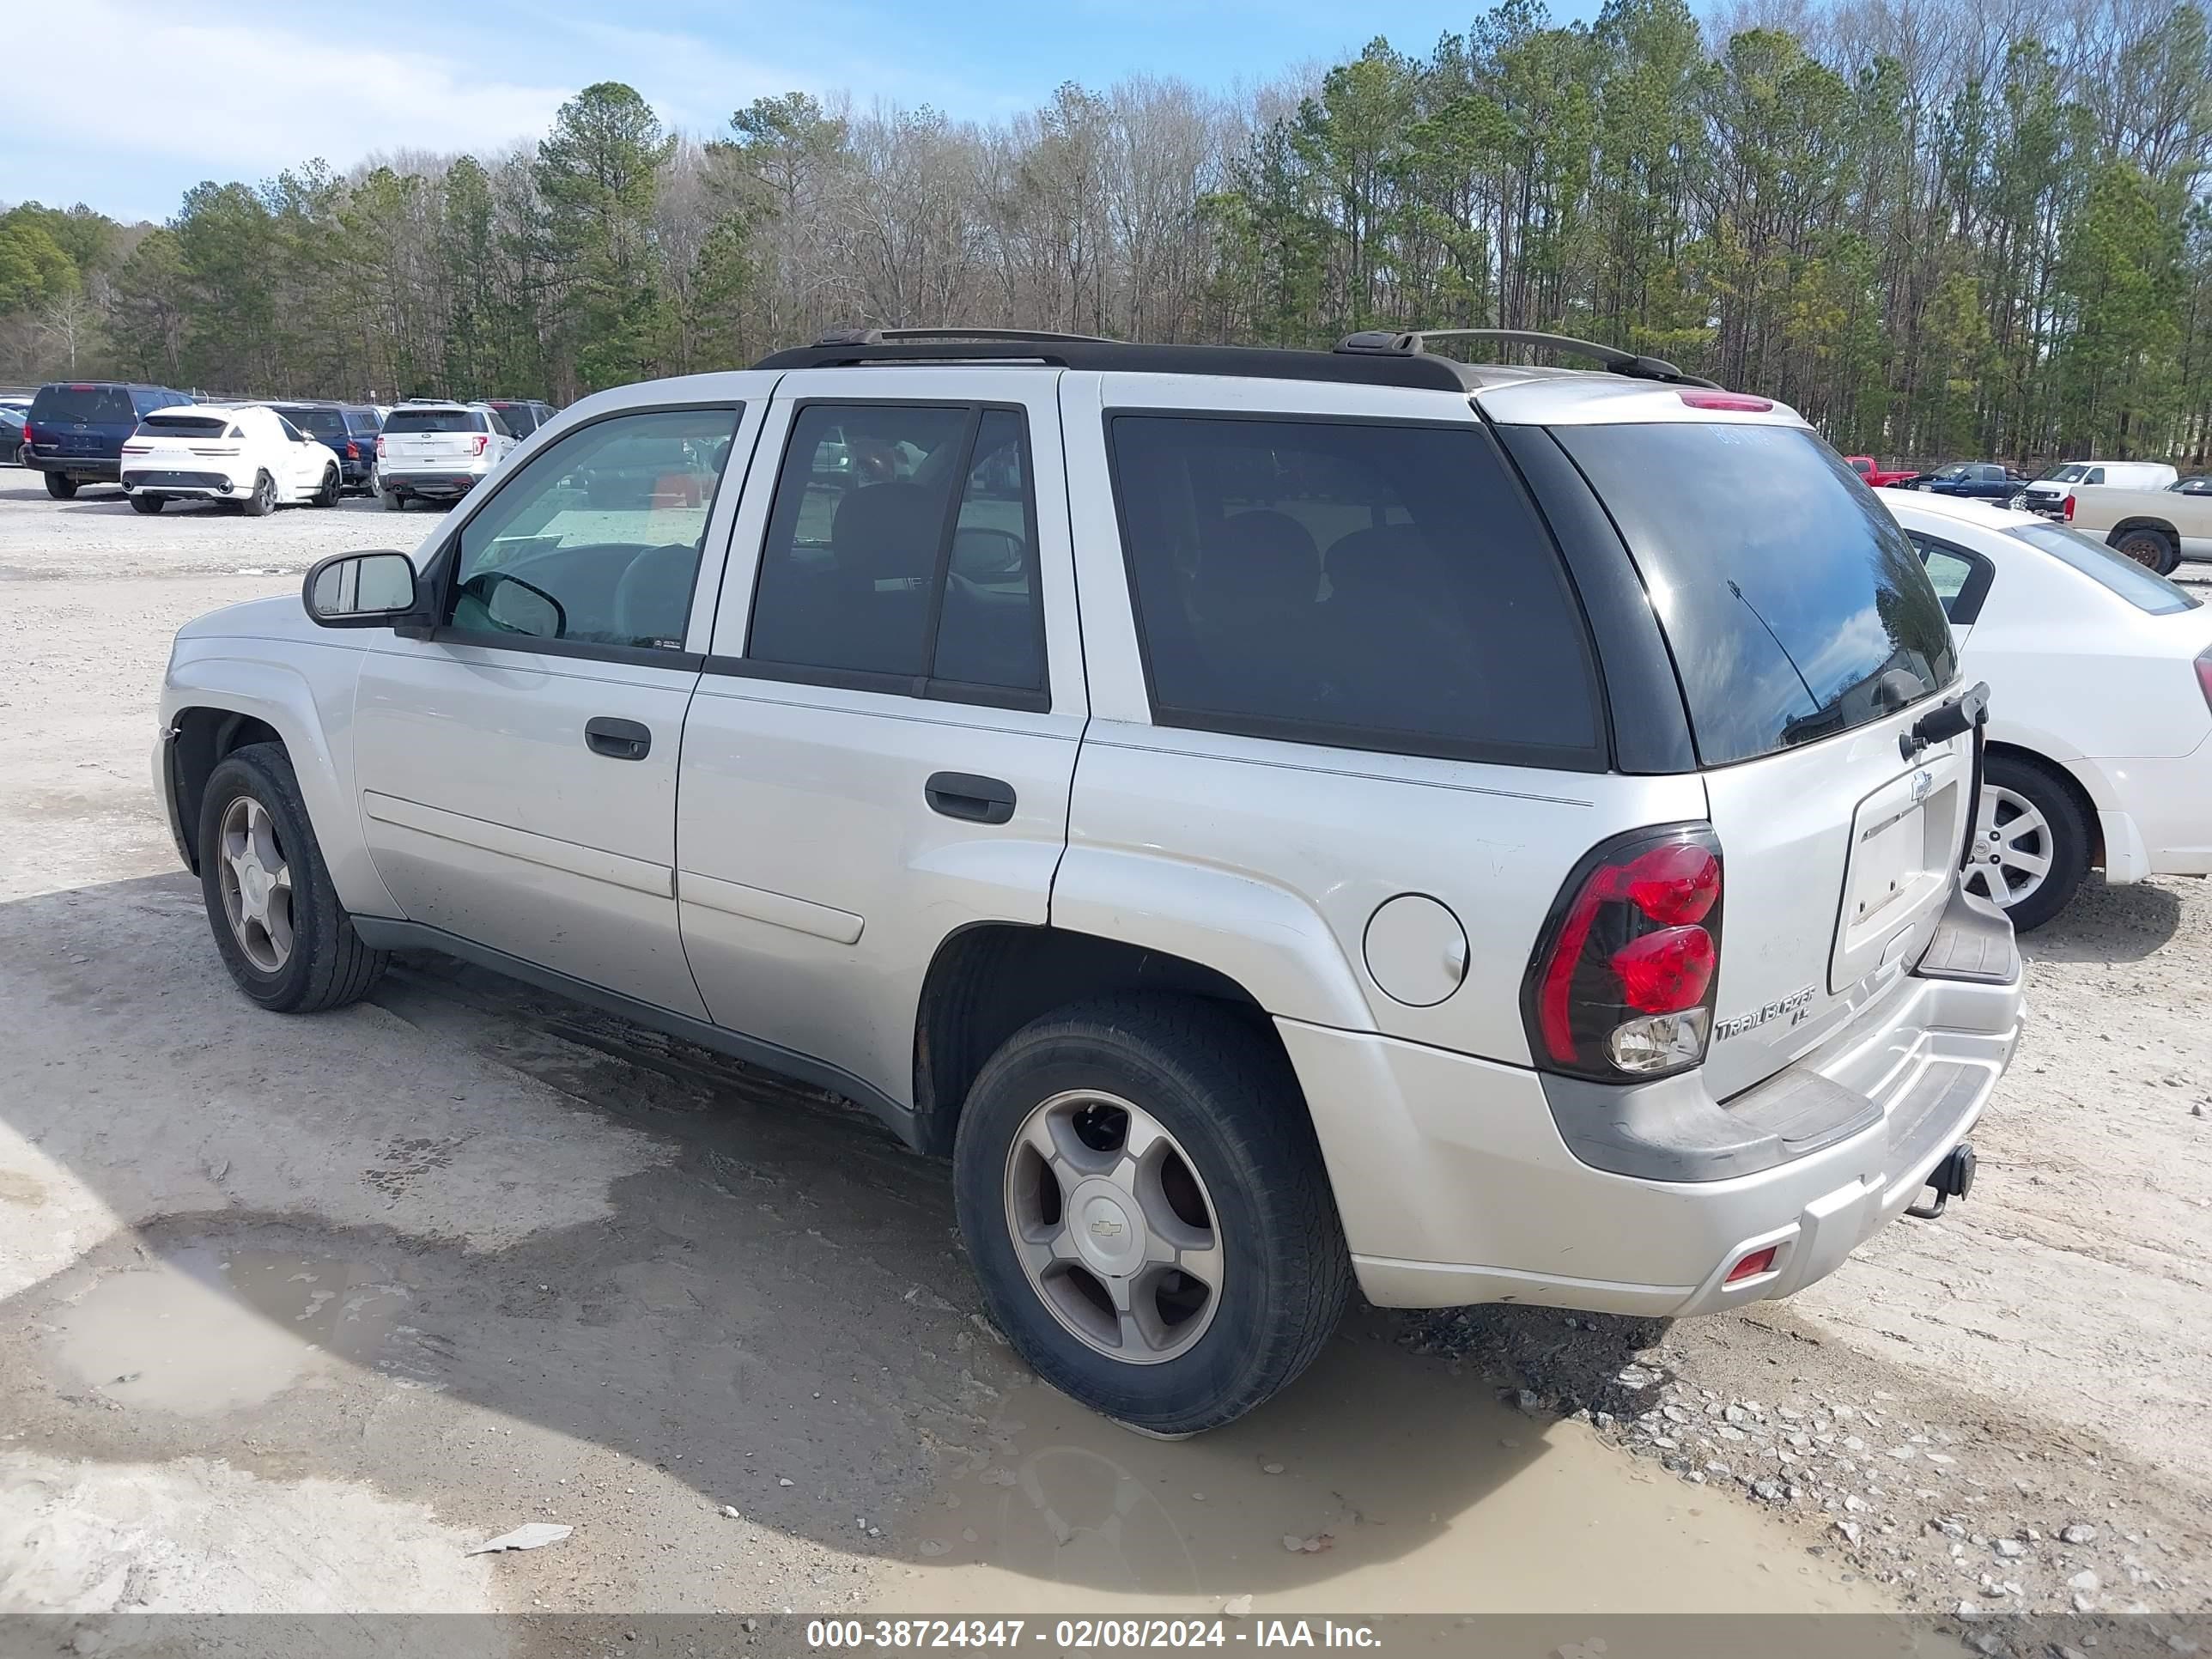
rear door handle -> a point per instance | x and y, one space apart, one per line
966 796
617 740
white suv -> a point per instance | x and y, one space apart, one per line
437 452
1268 816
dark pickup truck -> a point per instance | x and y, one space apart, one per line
74 431
1983 481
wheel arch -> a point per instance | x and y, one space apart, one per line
989 979
218 704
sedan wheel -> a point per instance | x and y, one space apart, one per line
2031 848
1114 1228
256 881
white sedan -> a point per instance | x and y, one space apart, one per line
244 453
2100 705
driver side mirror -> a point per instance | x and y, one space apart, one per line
361 590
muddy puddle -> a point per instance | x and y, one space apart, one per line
1379 1484
203 1329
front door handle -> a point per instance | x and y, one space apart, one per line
966 796
617 740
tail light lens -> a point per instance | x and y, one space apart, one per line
2069 509
137 449
380 448
1621 986
352 451
30 437
2204 677
484 441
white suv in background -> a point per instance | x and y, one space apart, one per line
1244 807
437 452
245 455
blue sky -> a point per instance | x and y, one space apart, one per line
124 106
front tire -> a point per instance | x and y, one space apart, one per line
263 501
61 488
2031 840
141 502
2152 549
1144 1202
287 940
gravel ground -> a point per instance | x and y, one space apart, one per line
298 1309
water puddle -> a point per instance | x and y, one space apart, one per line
206 1329
1381 1483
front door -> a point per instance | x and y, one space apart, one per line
517 767
880 750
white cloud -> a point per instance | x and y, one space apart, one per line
237 95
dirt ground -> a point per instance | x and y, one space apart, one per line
296 1311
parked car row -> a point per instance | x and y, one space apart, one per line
161 445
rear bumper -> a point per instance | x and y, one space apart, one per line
196 485
429 483
2156 815
85 469
1456 1184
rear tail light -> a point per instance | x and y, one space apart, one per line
353 452
484 441
137 449
2069 508
1621 985
380 448
2204 677
30 436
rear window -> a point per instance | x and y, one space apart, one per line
520 419
1795 606
185 426
1367 586
106 404
323 422
2146 590
434 420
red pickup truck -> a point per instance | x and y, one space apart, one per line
1867 468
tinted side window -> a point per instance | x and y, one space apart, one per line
1370 587
597 540
903 544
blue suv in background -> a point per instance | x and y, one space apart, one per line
76 429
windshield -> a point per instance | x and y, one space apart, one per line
1795 606
434 420
107 405
2144 589
2072 474
323 422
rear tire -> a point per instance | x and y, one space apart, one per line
2152 548
333 487
141 502
1233 1145
263 501
309 958
60 488
2028 816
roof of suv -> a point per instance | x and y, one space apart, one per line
1629 386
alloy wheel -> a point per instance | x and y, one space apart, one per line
1114 1227
2013 848
256 880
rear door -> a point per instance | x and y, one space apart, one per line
880 750
1808 640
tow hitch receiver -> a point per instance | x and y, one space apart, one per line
1953 1178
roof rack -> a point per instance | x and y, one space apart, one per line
848 348
1379 342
